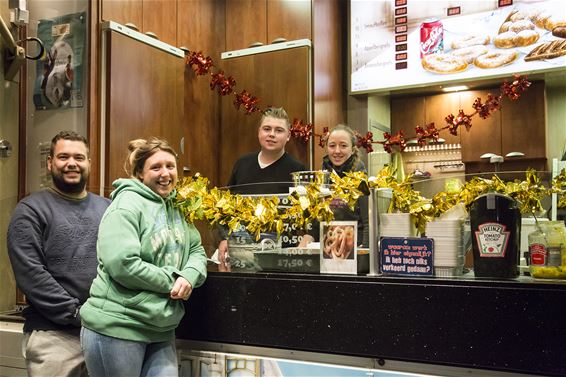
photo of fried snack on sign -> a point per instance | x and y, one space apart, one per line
338 241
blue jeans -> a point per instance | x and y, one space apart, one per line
108 356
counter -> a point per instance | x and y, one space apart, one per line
515 326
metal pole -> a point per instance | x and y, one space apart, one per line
375 207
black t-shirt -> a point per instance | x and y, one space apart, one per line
249 178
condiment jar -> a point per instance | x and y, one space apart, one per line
547 246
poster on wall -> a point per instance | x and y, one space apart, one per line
398 44
59 73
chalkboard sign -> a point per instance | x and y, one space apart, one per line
408 256
291 235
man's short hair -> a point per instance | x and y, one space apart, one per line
67 135
277 113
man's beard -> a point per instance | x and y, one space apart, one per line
69 188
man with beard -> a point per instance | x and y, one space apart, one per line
52 246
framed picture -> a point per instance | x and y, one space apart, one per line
338 240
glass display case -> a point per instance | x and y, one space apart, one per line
392 218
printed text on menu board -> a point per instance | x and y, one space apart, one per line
407 256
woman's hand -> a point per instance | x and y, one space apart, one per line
182 289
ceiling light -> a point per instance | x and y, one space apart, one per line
455 88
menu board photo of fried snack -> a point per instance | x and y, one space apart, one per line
338 247
415 43
532 30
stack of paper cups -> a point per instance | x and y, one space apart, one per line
448 247
396 225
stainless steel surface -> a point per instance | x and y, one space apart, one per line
266 48
371 365
125 30
12 362
16 55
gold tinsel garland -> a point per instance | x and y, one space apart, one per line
261 214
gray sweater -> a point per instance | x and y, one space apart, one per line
52 247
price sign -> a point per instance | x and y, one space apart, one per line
291 235
409 256
290 260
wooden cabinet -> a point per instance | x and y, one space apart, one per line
406 113
437 108
252 21
289 19
287 72
143 98
520 126
409 112
246 23
523 123
156 16
202 105
485 134
123 11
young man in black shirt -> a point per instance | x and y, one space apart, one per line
267 171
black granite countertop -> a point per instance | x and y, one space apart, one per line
514 325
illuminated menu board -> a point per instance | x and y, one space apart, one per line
398 44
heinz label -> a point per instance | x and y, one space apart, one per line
538 254
492 240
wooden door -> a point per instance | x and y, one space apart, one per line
485 134
144 98
160 18
123 12
439 106
277 78
406 114
246 23
288 19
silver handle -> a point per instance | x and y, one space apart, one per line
5 148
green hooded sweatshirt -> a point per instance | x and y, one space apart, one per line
144 244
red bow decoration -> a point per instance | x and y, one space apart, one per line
391 140
225 84
491 104
365 142
248 101
429 133
200 65
461 120
514 90
302 131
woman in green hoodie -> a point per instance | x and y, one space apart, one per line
150 259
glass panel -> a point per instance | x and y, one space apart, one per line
270 253
57 84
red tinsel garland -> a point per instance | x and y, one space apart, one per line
224 86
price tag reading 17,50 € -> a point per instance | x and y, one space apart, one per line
408 256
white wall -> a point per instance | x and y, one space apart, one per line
556 119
